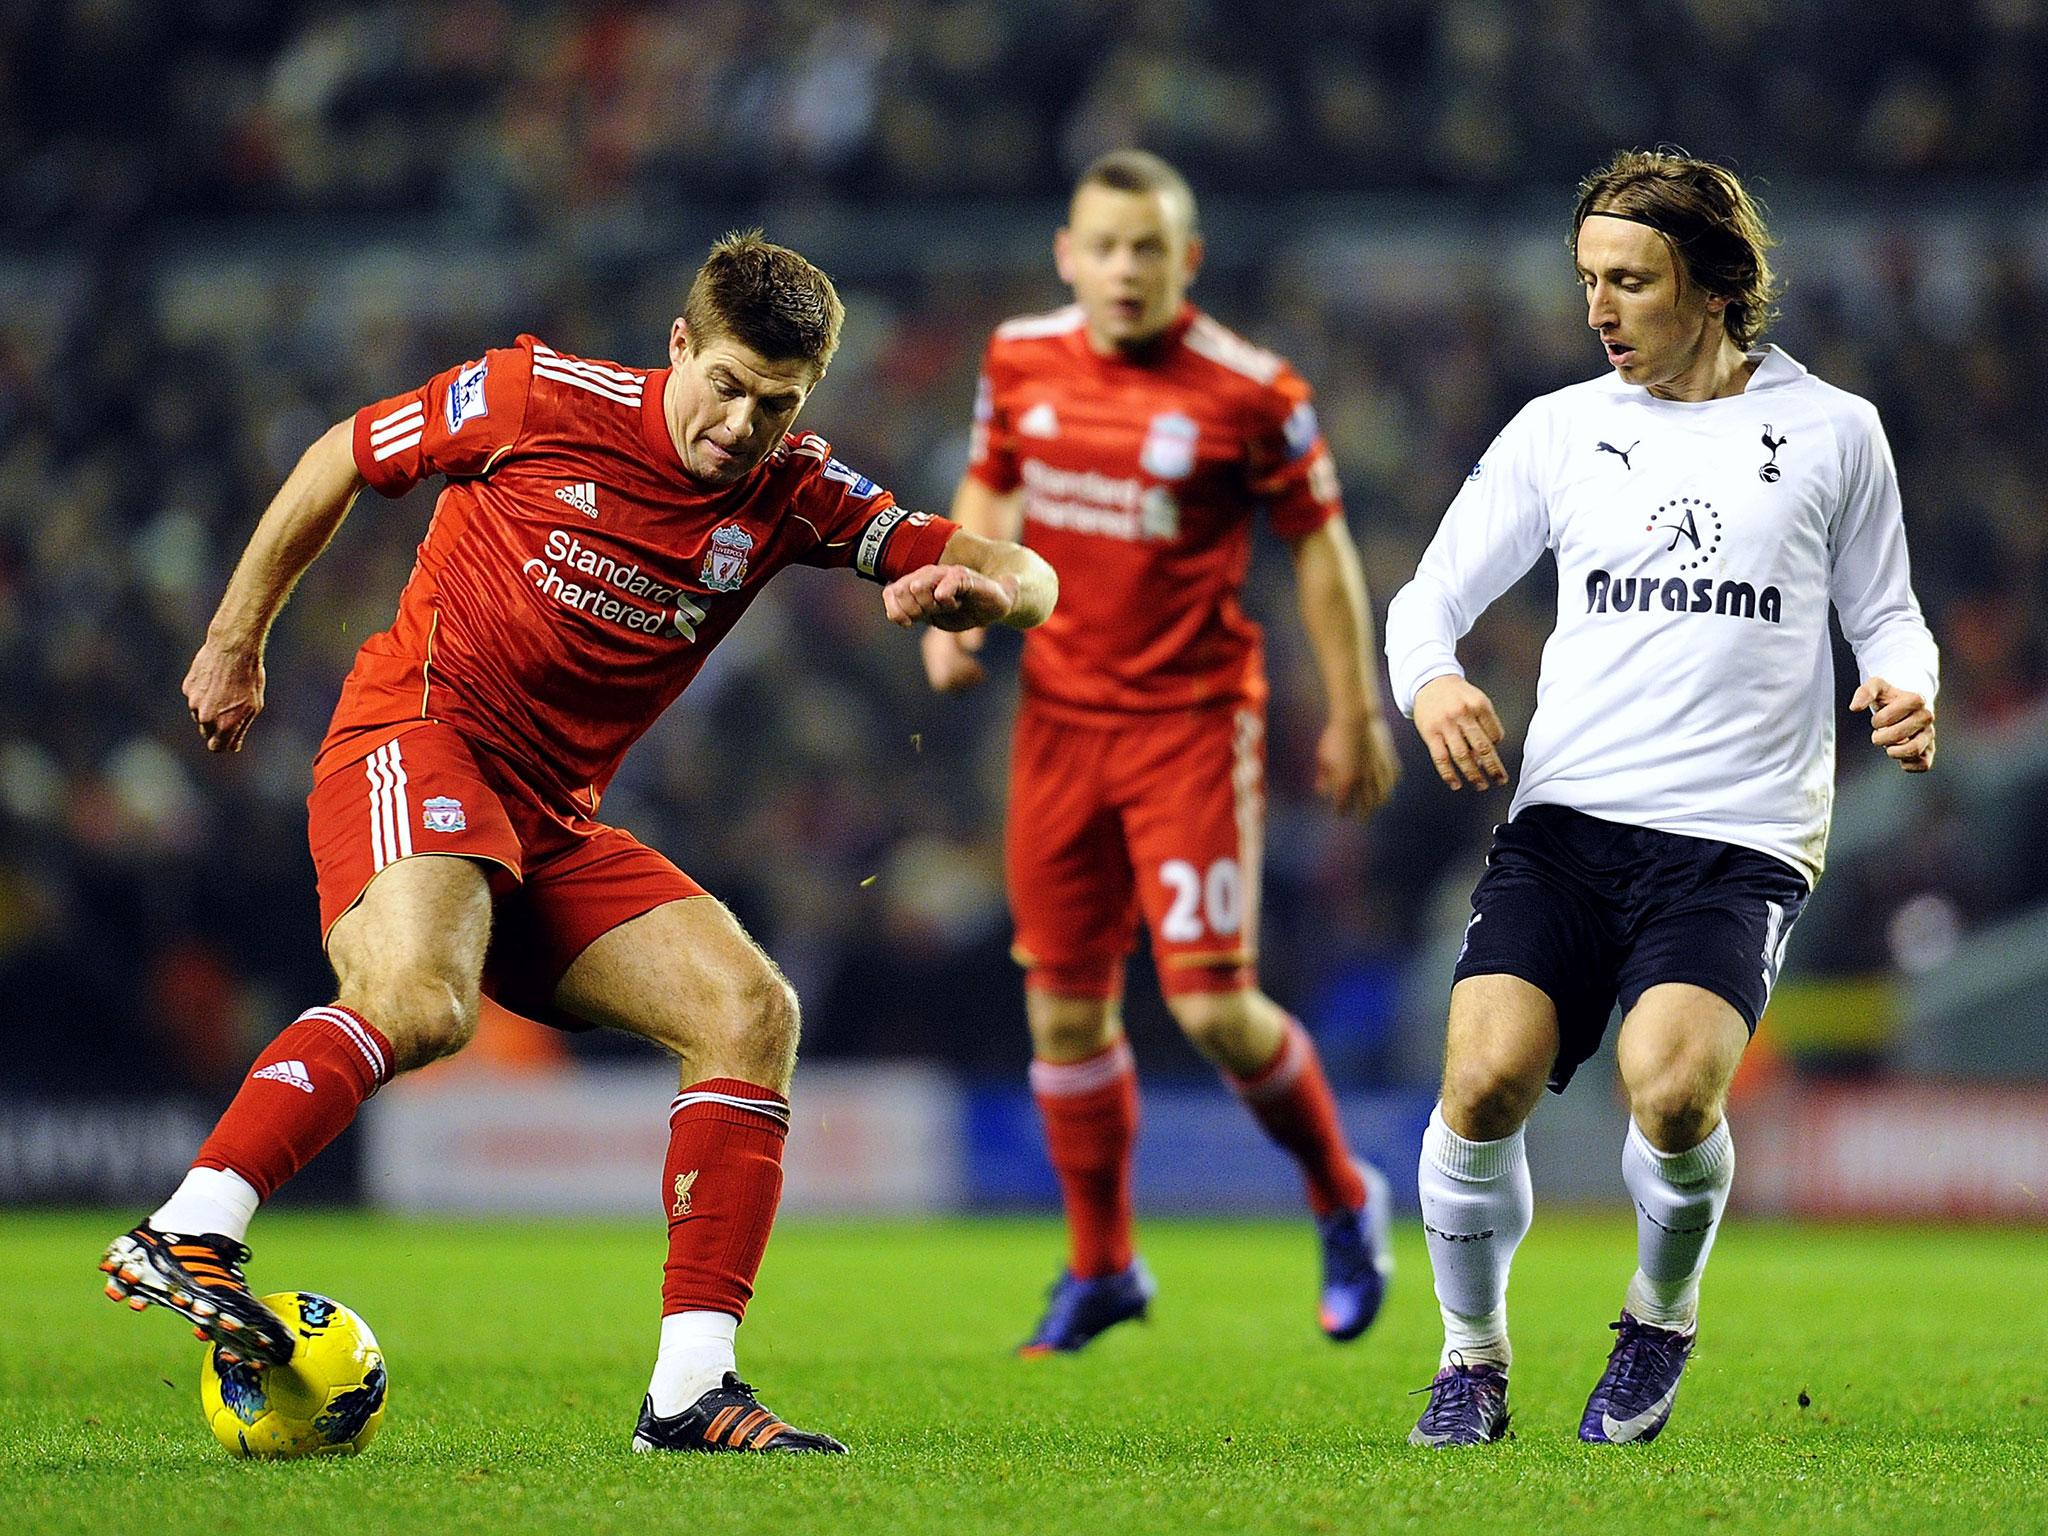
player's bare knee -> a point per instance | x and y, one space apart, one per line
1674 1113
1069 1028
1485 1099
1072 1039
442 1018
1223 1027
425 1017
777 1024
751 1034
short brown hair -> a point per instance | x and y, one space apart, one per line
766 297
1139 170
1712 223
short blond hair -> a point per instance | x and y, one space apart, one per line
1139 170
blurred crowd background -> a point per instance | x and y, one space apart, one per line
525 117
224 225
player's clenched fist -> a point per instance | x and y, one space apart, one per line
1458 725
224 691
1356 768
949 662
1900 722
951 597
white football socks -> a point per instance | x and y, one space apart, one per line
209 1200
1476 1207
696 1352
1679 1198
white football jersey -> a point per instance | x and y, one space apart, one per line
1687 685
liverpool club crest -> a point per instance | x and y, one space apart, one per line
1168 452
725 563
442 814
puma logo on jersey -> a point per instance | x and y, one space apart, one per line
582 496
1620 453
1040 421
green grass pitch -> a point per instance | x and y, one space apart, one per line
518 1354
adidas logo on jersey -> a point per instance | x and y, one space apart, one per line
290 1072
1040 421
582 496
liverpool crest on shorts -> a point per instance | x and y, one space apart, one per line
725 563
1169 451
442 814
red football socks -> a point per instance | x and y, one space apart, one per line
720 1186
1291 1099
303 1091
1090 1110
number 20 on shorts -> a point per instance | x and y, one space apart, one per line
1217 895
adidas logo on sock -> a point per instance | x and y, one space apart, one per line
582 496
292 1072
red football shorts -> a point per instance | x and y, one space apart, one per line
560 880
1162 814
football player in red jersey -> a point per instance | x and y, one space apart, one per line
1131 439
601 529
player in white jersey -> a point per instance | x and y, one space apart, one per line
1705 501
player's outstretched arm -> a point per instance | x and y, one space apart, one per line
977 582
949 660
1355 763
1457 723
1901 722
224 687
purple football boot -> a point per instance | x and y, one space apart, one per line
1633 1398
1080 1309
1468 1405
1357 1260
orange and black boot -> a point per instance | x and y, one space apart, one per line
199 1278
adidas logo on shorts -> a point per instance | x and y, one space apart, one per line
292 1072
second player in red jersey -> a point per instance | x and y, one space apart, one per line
602 528
1141 471
1133 441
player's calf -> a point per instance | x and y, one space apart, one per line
200 1279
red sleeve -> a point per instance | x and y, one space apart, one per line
1290 467
859 523
992 447
458 423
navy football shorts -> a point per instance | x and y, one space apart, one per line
1595 912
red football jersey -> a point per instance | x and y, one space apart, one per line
574 578
1140 480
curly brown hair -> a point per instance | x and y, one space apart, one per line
767 297
1713 224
